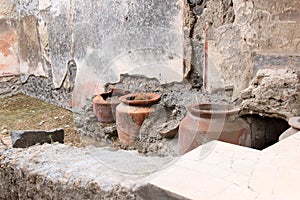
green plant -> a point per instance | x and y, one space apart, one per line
51 138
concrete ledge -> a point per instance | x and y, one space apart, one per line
59 171
219 170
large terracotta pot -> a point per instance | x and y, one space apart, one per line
104 105
205 122
132 112
294 122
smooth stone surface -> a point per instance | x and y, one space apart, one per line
220 170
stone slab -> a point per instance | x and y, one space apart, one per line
60 171
27 138
228 171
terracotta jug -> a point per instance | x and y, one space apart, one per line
205 122
132 112
104 105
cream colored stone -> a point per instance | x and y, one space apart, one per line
286 184
235 192
262 179
273 173
237 179
188 183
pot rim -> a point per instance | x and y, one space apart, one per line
101 100
294 122
201 110
153 98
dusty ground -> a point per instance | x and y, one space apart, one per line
22 112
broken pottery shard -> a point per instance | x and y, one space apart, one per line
171 130
27 138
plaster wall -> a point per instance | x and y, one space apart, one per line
258 27
75 47
102 39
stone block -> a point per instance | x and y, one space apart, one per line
274 92
27 138
61 171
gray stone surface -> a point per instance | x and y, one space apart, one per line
62 172
125 36
9 86
27 138
241 29
43 88
261 61
273 92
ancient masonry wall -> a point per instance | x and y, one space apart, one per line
46 44
65 51
34 173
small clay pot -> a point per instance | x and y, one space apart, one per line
132 112
104 105
140 99
294 122
206 122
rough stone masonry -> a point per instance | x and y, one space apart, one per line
59 171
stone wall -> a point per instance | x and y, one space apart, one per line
273 92
237 31
9 85
9 65
59 171
216 40
43 38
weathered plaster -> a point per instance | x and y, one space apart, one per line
258 26
31 62
59 33
9 61
127 37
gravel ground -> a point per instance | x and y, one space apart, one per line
21 112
